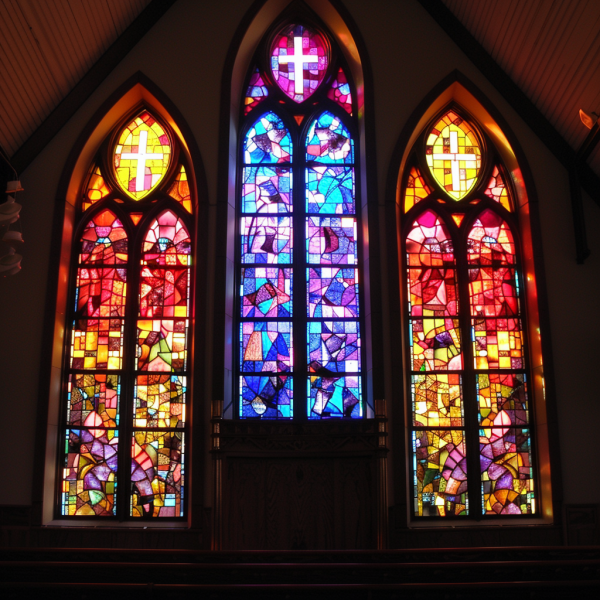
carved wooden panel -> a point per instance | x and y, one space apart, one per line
299 502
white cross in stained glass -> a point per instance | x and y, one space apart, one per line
141 158
298 60
455 158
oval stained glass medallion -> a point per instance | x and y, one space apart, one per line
299 60
453 153
141 156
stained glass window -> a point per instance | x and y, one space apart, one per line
471 419
124 412
141 156
453 154
299 61
299 346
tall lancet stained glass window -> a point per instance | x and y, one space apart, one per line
469 409
124 420
299 252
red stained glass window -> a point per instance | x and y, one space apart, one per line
124 418
471 419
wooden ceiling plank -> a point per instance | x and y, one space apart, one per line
23 67
59 39
91 29
584 59
551 55
85 52
71 40
53 75
11 138
103 22
35 80
503 30
538 52
513 50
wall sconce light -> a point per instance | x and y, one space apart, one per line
588 119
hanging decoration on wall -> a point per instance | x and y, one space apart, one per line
10 210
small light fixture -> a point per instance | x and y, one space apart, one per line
13 186
588 119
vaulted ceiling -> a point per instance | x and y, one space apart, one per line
48 48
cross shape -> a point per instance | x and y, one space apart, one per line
455 157
298 59
141 158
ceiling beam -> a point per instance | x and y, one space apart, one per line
56 120
511 92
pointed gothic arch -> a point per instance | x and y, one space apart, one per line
504 191
89 188
239 74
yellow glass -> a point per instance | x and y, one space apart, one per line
142 156
453 154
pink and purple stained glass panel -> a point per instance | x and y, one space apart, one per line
89 483
340 91
267 240
167 243
507 480
257 91
491 241
266 292
299 60
267 189
331 240
332 293
334 346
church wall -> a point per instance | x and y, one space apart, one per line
409 54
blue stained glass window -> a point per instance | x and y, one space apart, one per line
267 189
268 141
335 397
267 397
298 233
330 190
329 141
